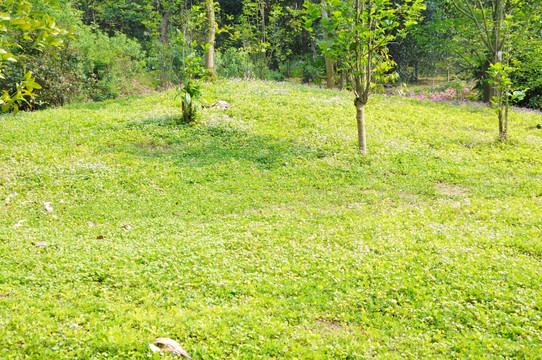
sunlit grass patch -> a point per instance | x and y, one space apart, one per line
260 232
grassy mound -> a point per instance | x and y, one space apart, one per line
260 232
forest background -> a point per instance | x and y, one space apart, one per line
117 48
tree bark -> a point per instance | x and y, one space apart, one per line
330 74
164 28
165 63
211 32
360 117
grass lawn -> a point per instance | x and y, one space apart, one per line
260 233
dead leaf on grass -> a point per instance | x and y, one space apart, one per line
221 105
19 223
48 207
127 226
167 344
40 244
100 237
11 196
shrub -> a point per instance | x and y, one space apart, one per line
233 63
108 62
92 66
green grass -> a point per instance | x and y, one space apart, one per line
260 232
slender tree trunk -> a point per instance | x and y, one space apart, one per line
164 28
264 38
165 63
498 19
330 74
505 134
211 31
360 117
313 49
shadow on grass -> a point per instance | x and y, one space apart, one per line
205 145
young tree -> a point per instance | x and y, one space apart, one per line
358 32
210 46
330 73
500 24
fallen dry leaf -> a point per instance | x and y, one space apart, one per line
177 214
127 226
11 196
100 237
48 206
159 189
19 223
221 105
167 344
40 243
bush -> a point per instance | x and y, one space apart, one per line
233 64
91 66
108 62
528 74
275 75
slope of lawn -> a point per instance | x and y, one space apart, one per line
260 233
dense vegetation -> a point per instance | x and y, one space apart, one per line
258 232
120 48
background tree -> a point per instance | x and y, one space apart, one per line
210 44
358 31
499 24
23 29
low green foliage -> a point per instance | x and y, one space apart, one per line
258 232
190 95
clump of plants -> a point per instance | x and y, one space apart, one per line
190 92
191 96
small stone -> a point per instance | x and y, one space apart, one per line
221 105
539 126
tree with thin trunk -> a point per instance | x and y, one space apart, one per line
500 24
211 31
330 73
358 32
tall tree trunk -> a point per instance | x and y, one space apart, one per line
498 19
211 31
330 74
263 54
360 117
164 28
165 63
